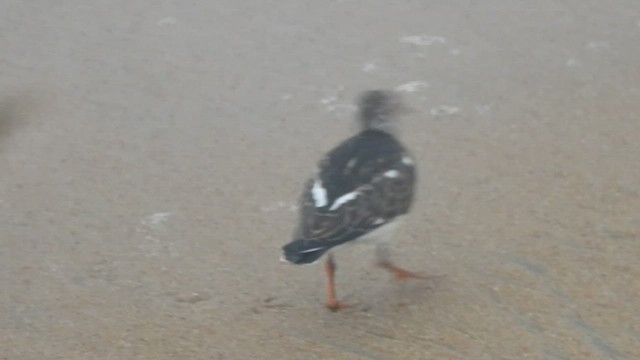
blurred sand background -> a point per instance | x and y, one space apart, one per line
151 154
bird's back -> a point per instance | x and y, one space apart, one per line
357 161
362 184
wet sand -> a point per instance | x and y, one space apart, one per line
152 153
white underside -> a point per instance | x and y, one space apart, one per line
378 237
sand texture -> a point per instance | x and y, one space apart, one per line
152 153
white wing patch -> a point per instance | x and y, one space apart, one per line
392 173
407 160
319 193
311 250
379 221
344 199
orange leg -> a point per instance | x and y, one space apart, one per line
332 303
400 273
382 253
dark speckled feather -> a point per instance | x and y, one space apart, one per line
362 184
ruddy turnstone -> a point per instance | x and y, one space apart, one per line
361 190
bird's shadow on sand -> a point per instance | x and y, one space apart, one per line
393 296
396 295
374 317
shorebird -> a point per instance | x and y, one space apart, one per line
361 190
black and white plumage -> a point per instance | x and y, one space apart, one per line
361 188
363 184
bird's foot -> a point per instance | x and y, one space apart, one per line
335 305
400 273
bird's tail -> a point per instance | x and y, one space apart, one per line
304 251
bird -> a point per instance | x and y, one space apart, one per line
360 193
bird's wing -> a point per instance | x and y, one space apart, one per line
351 214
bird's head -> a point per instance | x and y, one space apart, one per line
377 109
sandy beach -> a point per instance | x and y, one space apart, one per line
152 154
